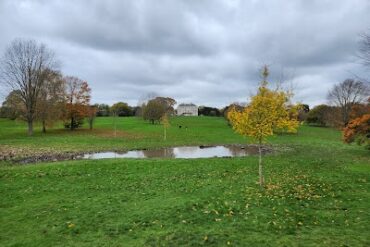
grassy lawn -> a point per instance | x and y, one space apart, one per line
132 133
317 194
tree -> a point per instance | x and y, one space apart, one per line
153 111
166 124
23 67
268 112
325 115
167 103
358 130
121 109
358 110
115 123
303 112
317 115
102 110
156 108
347 94
137 111
91 114
236 106
78 99
51 99
13 106
209 111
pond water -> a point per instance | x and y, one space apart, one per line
189 152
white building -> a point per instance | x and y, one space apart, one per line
187 110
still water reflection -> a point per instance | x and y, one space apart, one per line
180 152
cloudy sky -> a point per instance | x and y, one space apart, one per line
208 52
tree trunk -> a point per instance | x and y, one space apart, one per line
43 126
345 116
260 167
91 123
71 127
30 127
115 126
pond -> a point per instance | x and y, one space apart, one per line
189 152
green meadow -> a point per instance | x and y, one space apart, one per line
317 189
132 133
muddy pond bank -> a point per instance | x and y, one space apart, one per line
181 152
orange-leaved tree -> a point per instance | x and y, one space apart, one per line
78 100
358 130
267 113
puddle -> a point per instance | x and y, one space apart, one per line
191 152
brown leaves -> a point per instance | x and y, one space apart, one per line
358 128
299 187
78 100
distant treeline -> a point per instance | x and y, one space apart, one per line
119 109
122 109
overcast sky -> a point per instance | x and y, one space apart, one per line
207 52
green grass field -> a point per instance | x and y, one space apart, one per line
132 133
317 193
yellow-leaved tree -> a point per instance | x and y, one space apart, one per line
166 124
268 112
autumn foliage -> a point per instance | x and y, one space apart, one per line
358 130
51 100
78 100
267 113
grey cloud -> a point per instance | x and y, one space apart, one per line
206 52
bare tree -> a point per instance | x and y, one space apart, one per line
347 94
23 67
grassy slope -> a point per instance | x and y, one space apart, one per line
132 133
318 192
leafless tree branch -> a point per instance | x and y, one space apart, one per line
347 94
22 68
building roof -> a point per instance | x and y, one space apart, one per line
184 104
